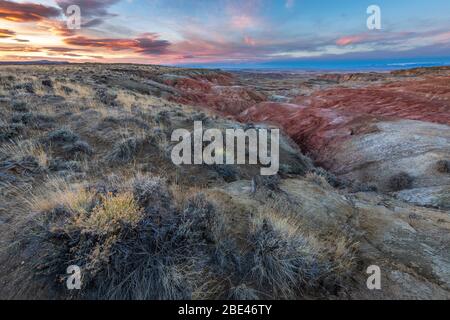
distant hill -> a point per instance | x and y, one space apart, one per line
47 62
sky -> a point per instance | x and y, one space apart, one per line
222 32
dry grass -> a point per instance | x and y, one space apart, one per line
57 192
335 249
20 149
72 90
111 213
127 100
318 179
181 195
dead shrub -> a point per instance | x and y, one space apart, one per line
400 181
443 166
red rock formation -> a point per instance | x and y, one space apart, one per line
322 119
316 130
426 100
215 93
364 127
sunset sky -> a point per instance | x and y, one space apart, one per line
223 31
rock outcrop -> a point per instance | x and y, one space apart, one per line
367 127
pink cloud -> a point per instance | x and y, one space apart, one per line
249 41
443 37
347 40
242 21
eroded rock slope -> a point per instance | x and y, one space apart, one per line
86 178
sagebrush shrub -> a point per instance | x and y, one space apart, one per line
126 150
281 262
242 292
62 135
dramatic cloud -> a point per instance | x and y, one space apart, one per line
26 12
225 31
92 11
4 33
55 27
19 48
245 47
70 52
89 8
92 23
53 52
147 44
61 49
